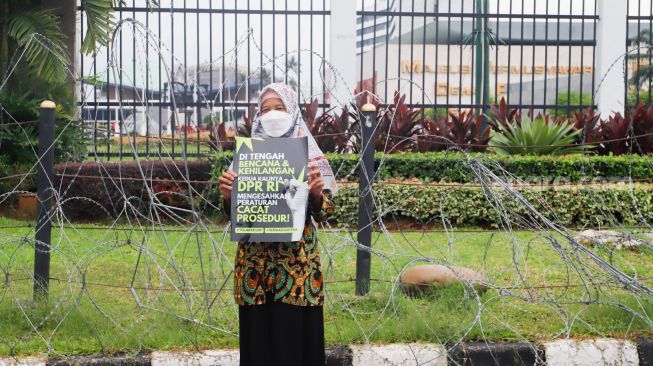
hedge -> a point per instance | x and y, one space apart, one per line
12 176
454 166
463 205
4 172
96 190
468 206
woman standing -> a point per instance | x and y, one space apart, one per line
279 286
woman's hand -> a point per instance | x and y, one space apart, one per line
226 180
315 185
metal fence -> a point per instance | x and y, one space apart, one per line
203 62
535 54
639 40
175 70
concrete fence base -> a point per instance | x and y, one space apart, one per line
602 351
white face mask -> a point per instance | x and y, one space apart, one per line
276 123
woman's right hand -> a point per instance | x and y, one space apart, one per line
226 180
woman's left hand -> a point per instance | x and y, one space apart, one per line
315 184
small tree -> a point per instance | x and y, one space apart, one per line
644 44
31 29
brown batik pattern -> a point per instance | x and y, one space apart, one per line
291 271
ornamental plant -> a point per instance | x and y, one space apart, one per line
331 131
433 135
468 131
539 136
501 115
614 135
19 132
588 123
398 127
463 132
642 129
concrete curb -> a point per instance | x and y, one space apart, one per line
26 361
399 354
124 360
591 352
602 351
211 357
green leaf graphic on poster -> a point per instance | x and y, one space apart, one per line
240 141
301 176
247 141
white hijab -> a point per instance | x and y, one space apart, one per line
315 154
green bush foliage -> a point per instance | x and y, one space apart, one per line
16 177
96 191
469 206
19 132
636 98
4 172
453 166
436 113
462 205
571 99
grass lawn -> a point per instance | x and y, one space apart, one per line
176 302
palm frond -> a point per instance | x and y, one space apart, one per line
38 34
644 36
100 21
99 24
641 75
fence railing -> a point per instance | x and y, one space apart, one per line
639 42
536 56
175 71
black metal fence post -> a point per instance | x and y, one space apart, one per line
45 166
365 204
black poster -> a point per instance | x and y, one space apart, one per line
270 194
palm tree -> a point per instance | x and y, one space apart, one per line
643 54
30 29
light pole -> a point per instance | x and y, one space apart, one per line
482 69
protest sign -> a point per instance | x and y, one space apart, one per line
270 194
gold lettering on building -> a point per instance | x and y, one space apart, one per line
442 89
418 67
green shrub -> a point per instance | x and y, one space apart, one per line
19 142
91 194
468 206
644 97
453 166
4 172
436 113
15 177
570 99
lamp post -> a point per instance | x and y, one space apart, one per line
365 203
44 193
